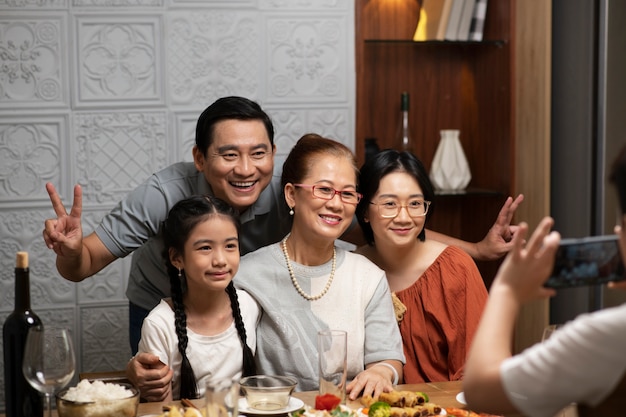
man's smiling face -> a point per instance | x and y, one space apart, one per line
239 162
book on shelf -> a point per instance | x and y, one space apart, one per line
453 20
433 20
465 20
478 21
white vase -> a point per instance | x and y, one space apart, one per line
450 170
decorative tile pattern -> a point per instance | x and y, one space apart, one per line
31 153
21 230
184 138
140 74
114 4
307 59
104 336
213 4
115 152
332 123
118 60
60 317
304 4
32 61
290 125
33 4
211 55
108 284
64 317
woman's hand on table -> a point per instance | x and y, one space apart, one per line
372 381
151 376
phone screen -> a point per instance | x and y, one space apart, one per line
587 261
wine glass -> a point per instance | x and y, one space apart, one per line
48 360
549 331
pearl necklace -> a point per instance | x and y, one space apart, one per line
294 281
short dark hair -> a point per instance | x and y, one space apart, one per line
383 163
228 108
618 178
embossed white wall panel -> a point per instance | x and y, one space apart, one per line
306 4
307 59
118 60
103 331
34 60
33 4
185 134
117 4
105 92
212 54
32 150
116 151
213 4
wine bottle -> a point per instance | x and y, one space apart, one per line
403 135
22 400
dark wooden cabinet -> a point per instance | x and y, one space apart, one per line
497 92
452 85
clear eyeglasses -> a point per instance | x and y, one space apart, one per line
390 209
328 193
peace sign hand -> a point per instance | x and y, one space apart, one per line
64 234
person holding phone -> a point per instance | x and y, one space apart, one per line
583 362
584 261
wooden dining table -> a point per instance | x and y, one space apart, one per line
443 394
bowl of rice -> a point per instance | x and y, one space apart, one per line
98 399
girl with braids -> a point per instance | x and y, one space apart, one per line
206 330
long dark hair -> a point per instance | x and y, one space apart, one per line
375 169
228 108
181 220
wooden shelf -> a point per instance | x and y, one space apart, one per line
498 43
463 85
468 192
496 92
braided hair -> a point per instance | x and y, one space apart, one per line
249 367
182 219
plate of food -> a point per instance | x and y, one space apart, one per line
388 404
174 411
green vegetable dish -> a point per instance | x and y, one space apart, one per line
379 409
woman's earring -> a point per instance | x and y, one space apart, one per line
290 211
180 273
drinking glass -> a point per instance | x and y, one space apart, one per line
549 331
48 360
222 398
332 349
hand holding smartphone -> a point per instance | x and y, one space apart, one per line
587 261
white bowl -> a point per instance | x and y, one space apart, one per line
120 407
268 392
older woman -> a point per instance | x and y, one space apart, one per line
305 283
438 292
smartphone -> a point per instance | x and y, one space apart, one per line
586 261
